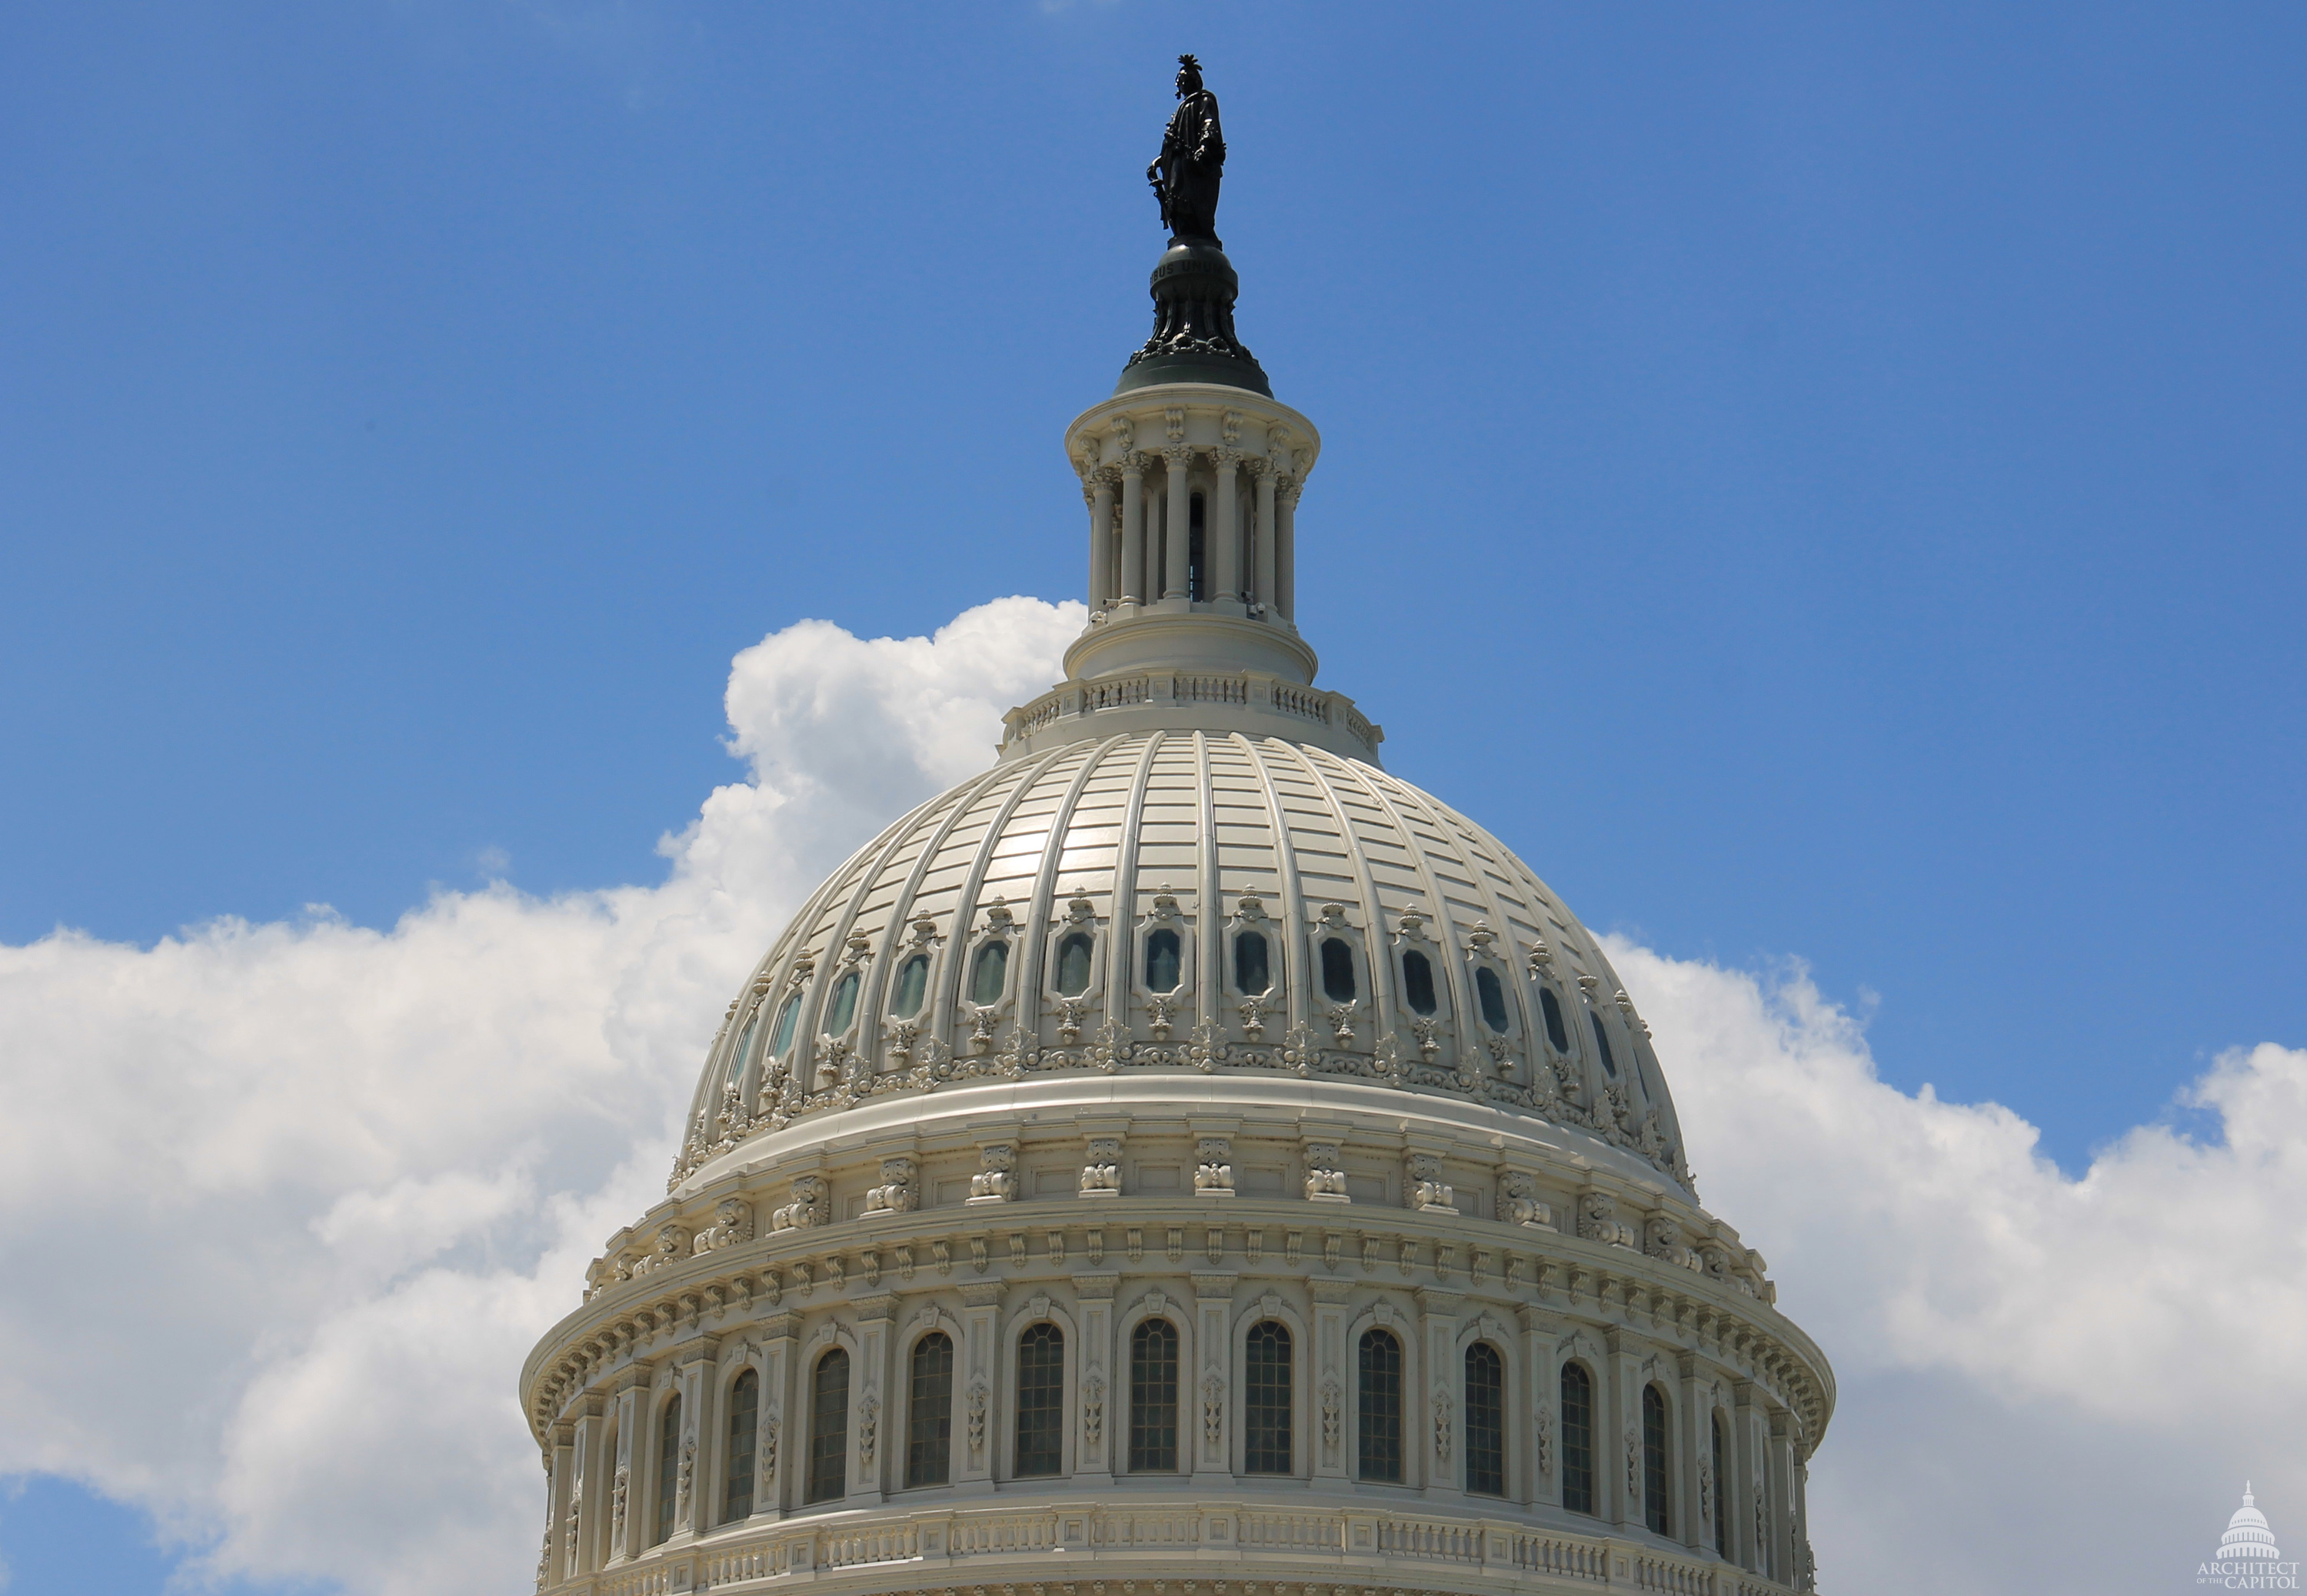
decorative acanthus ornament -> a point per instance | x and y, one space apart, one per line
1595 1220
1546 1439
672 1247
977 1407
733 1225
620 1486
772 1421
896 1193
1634 1464
1161 1014
1518 1193
1332 1416
1326 1175
1662 1240
1442 1427
683 1477
1213 1410
1111 1047
1705 1491
807 1209
996 1180
1422 1175
571 1524
1094 1409
869 1429
1206 1046
1102 1175
1212 1176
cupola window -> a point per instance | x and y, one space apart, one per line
1379 1434
1577 1439
1417 982
668 1466
781 1037
1265 1400
744 1415
1040 1401
1486 1420
1250 974
1556 1031
1154 1397
991 976
1073 964
1338 970
1162 961
828 1428
1492 994
929 1412
912 985
844 1005
1602 1041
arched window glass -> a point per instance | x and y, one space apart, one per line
1721 1489
781 1037
828 1429
1577 1439
737 1477
1486 1420
1162 961
1556 1032
737 1053
1250 973
1602 1041
1338 970
1265 1400
1040 1401
1379 1441
1073 964
844 1005
1493 997
1154 1397
1654 1461
992 975
668 1466
929 1412
912 985
1417 982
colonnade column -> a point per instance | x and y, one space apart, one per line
1101 538
1285 547
1264 470
1696 1451
1226 568
625 1481
581 1518
1133 529
1178 533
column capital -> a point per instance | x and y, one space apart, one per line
1180 455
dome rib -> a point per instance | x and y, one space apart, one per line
1125 881
1032 946
1294 973
1381 967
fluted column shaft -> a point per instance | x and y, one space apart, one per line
1133 529
1101 540
1180 532
1226 568
1264 533
1285 550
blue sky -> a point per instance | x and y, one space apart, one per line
1822 482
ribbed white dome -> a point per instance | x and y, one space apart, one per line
1458 951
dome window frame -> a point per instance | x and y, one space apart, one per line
1080 920
998 924
1252 1009
1508 1048
1163 1011
1342 1017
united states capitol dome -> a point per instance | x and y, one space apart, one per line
1183 1153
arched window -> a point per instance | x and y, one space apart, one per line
828 1429
1251 975
781 1037
1380 1434
744 1418
668 1466
1577 1439
844 1005
1265 1400
1154 1397
1486 1420
1417 982
1040 1401
929 1412
992 975
1654 1487
1338 970
1073 964
912 985
744 1045
1721 1488
1602 1041
1556 1031
1493 999
1162 961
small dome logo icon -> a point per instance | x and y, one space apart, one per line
2247 1540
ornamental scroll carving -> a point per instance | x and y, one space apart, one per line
996 1180
896 1193
807 1209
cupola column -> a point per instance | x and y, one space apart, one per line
1178 533
1285 549
1133 528
1263 472
1227 566
1101 539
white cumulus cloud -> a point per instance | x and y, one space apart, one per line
282 1207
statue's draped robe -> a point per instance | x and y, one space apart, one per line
1193 160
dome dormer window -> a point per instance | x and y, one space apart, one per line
781 1037
991 977
1556 1033
1162 961
1417 982
1073 964
1602 1041
1338 970
844 1005
912 985
1252 974
1491 994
